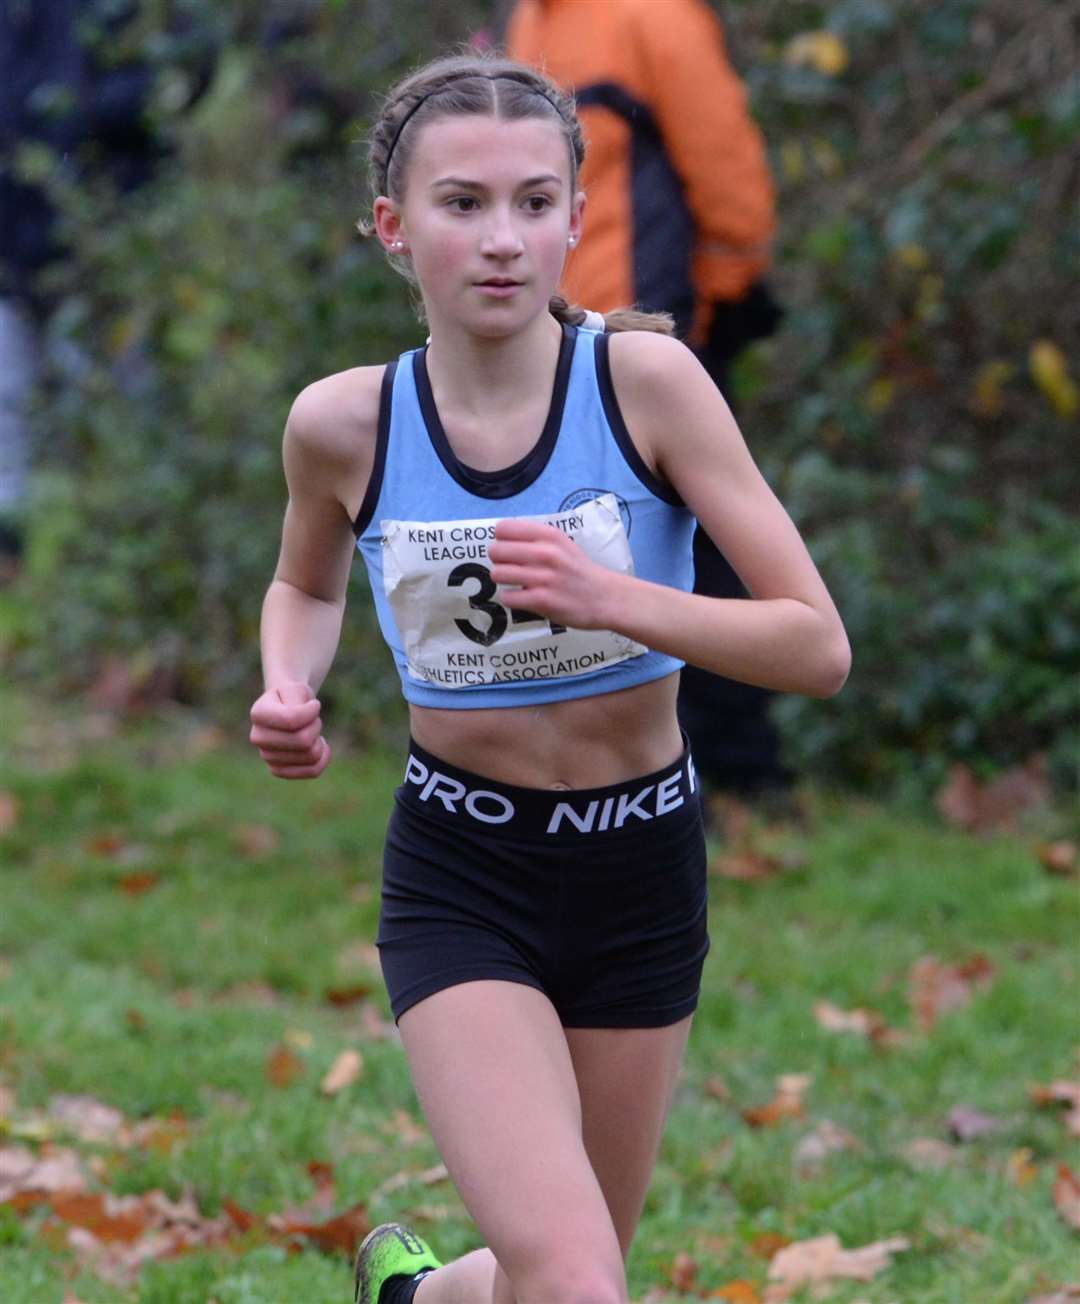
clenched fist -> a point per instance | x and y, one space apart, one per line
287 730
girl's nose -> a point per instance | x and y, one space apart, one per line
501 237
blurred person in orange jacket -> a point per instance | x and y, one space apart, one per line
681 214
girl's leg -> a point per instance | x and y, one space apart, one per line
493 1072
626 1079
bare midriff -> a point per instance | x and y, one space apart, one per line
586 742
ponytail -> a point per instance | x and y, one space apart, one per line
619 319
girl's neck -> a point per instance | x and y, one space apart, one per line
491 375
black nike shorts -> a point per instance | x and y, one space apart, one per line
595 896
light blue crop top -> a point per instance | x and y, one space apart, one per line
423 527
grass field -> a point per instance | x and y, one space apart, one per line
188 942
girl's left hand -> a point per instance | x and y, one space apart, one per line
552 575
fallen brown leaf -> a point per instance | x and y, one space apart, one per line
345 996
161 1136
86 1118
787 1103
966 1124
113 1236
343 1233
1066 1295
426 1177
431 1212
404 1128
826 1139
833 1019
139 882
109 1217
320 1172
1058 857
1066 1195
935 989
255 840
865 1022
241 1219
819 1261
716 1087
105 844
1061 1093
325 1197
684 1273
1019 1168
736 1292
344 1071
52 1169
283 1067
766 1245
987 807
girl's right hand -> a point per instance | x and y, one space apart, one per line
287 730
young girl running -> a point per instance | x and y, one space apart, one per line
523 491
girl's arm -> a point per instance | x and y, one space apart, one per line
327 454
789 637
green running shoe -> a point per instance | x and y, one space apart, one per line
389 1251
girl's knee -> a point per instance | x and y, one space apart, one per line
564 1280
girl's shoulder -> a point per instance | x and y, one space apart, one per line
336 418
648 355
651 373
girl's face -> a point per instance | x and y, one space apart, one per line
487 219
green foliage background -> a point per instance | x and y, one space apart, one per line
928 182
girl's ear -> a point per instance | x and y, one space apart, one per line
577 215
389 226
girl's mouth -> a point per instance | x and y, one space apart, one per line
498 287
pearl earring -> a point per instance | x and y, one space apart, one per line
572 241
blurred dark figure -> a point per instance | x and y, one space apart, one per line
680 218
64 84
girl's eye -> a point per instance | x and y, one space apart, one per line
463 203
538 203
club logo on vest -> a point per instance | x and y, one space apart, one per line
580 496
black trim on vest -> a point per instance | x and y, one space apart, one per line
613 412
509 480
663 227
378 462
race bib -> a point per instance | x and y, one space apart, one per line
457 633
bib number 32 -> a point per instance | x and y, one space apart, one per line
499 617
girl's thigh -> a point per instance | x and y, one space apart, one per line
493 1073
